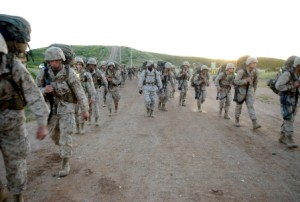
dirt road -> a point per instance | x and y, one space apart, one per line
180 155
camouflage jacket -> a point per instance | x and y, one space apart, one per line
242 74
64 89
34 99
87 84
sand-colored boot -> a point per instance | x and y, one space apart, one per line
255 124
65 168
290 142
237 122
163 108
18 198
3 194
159 105
226 116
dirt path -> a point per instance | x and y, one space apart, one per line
180 155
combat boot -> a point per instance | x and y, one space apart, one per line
199 108
237 122
65 168
159 106
18 198
96 122
116 107
82 130
282 138
290 142
77 130
151 113
183 103
179 103
164 107
3 194
148 111
110 113
226 115
220 112
255 124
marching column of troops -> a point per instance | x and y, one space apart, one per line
76 88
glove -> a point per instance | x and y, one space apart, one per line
140 91
160 90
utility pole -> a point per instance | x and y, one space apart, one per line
130 57
120 54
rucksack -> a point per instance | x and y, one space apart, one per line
67 50
15 28
192 78
16 32
161 66
272 82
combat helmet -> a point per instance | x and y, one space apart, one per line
186 63
229 66
168 65
203 67
3 46
54 53
92 61
79 59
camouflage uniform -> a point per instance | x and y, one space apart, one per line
149 83
98 78
124 74
168 86
66 89
90 92
113 94
103 88
223 82
247 78
183 77
201 80
14 143
288 85
173 77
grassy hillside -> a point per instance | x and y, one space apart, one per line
138 57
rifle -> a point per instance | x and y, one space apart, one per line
49 96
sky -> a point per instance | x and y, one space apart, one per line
220 29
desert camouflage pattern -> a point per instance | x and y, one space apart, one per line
287 103
62 124
149 82
201 81
250 97
168 87
224 82
14 143
113 91
183 85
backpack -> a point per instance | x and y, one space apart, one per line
15 28
192 79
67 50
16 32
272 82
161 66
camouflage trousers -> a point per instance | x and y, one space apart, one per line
288 112
250 98
102 94
61 128
113 95
94 108
164 96
149 98
201 98
15 147
225 100
183 92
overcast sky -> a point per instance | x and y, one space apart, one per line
223 29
